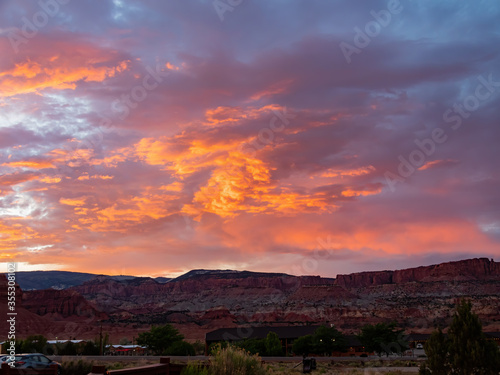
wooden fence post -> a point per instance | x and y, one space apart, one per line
166 361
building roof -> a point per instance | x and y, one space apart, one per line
126 346
64 341
492 335
418 336
242 333
426 336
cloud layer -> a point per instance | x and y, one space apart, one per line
150 137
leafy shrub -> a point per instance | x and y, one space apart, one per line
235 361
115 366
194 368
76 368
180 348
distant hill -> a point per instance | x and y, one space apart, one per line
225 274
36 280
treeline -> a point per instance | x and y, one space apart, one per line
38 344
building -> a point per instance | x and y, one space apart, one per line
286 334
126 350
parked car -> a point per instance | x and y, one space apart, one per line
420 346
4 358
35 361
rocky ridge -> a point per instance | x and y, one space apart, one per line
417 298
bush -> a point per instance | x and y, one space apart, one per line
76 368
235 361
252 346
180 348
159 338
194 368
90 348
68 349
199 347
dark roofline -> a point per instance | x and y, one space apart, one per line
242 333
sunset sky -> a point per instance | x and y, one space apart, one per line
314 137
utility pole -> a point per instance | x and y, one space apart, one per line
100 341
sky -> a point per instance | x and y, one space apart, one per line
306 137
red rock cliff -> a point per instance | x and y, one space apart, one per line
471 269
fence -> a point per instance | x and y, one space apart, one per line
7 370
163 368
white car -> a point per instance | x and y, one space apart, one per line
419 346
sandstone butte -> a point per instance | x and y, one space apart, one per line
417 299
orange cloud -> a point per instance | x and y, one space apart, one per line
50 180
224 115
58 72
16 178
15 234
129 212
30 164
436 163
348 172
174 186
243 184
367 190
73 201
274 89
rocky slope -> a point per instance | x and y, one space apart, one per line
472 269
200 301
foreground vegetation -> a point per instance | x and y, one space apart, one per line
464 351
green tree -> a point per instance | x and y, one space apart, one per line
383 338
470 353
180 348
273 345
466 351
303 345
253 346
69 349
327 340
35 344
436 349
159 338
21 346
90 348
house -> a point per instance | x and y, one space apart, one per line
417 339
126 350
494 336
